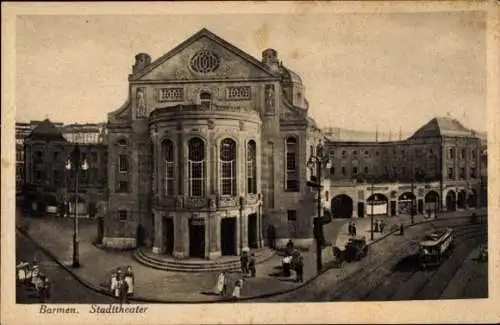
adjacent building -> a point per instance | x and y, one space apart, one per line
48 186
439 167
207 156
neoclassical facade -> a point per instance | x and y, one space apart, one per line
439 167
205 156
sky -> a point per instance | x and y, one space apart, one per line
361 71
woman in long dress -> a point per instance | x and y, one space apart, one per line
237 290
114 285
221 281
129 278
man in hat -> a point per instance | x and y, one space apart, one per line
251 265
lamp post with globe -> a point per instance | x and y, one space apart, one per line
75 163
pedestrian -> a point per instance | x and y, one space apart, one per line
382 226
401 229
299 269
350 228
237 290
251 265
122 290
129 278
354 229
114 284
244 263
377 224
286 266
221 283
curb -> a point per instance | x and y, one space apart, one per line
97 289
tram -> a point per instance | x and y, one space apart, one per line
435 247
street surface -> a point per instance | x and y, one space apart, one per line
396 276
65 288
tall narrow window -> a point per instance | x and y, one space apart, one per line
205 100
228 167
169 165
251 167
196 149
291 165
123 163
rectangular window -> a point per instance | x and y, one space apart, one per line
122 215
228 178
292 183
56 156
462 154
451 153
344 153
292 215
462 173
354 170
123 163
332 171
365 170
367 154
196 171
473 172
123 186
344 172
93 156
57 178
473 154
170 94
451 173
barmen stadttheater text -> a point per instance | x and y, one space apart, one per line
96 309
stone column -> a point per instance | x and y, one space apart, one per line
244 228
181 238
214 244
181 163
158 229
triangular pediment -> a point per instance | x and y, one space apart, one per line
204 56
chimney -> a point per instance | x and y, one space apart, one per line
270 58
142 60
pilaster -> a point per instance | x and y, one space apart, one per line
158 241
181 238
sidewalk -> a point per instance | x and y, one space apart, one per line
55 236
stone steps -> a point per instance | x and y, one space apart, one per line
168 263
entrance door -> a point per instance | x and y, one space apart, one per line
393 208
252 230
168 235
361 210
228 236
196 239
420 205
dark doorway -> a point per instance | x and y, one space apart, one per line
461 201
196 238
252 230
451 201
420 205
92 209
393 208
140 236
168 235
228 236
361 209
341 206
472 200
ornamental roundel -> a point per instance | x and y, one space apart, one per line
205 61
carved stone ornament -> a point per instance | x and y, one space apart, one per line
269 98
179 203
142 109
211 124
196 202
242 126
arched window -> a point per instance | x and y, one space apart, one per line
169 168
252 167
205 99
196 156
292 182
228 167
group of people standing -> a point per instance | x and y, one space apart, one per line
29 274
248 264
379 226
222 287
293 260
122 284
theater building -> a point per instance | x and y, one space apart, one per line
208 153
439 167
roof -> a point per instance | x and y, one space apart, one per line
202 33
289 74
46 130
443 127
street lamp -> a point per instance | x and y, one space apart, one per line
76 163
320 161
